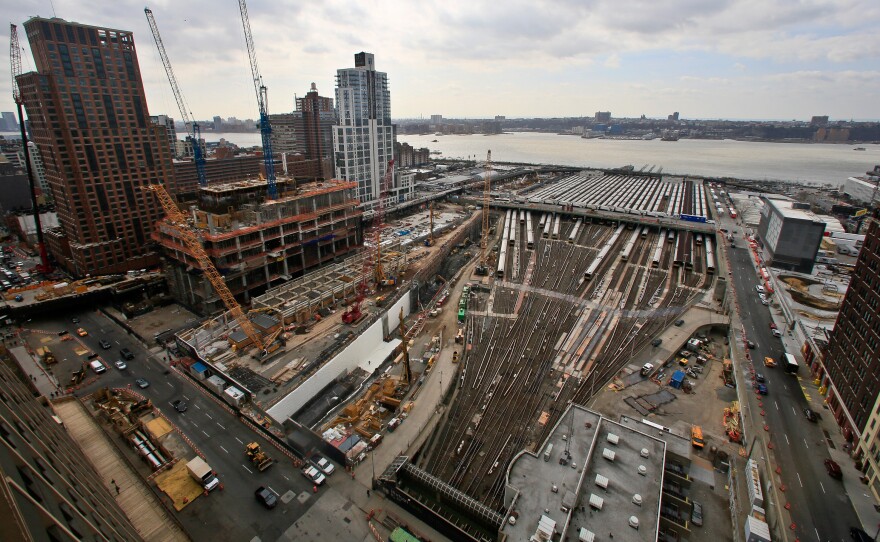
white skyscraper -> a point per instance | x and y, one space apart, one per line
363 141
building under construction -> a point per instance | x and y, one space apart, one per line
256 243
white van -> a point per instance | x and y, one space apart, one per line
97 366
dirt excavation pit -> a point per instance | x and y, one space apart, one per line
798 288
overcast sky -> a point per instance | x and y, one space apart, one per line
739 59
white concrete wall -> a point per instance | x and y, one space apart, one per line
369 342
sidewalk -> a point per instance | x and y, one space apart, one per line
45 383
138 501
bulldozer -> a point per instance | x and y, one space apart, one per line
259 458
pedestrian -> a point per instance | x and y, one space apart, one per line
368 493
117 490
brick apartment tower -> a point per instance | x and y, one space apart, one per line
313 124
88 116
852 359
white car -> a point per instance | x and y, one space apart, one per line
777 333
314 475
323 464
759 289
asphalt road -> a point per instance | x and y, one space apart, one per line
820 507
230 514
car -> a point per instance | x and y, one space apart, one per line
656 342
105 344
142 383
81 332
120 365
772 325
127 354
751 345
764 301
811 415
323 464
179 405
759 289
266 497
74 320
777 333
646 369
759 378
62 333
769 362
314 475
697 514
762 389
679 323
833 469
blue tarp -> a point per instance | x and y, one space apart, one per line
198 367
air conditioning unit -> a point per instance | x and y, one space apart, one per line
613 439
601 481
596 501
608 454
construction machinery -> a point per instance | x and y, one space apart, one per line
483 268
177 220
15 63
262 102
46 355
429 242
407 369
258 457
193 130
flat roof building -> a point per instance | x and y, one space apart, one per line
791 233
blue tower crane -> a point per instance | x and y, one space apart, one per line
192 128
262 101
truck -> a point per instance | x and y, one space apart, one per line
258 457
46 355
202 473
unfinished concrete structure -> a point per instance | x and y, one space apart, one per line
256 242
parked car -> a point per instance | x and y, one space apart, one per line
762 389
811 415
142 383
777 333
120 365
656 342
833 469
127 354
751 345
314 475
697 514
105 344
759 378
323 464
759 289
679 323
75 320
772 325
266 497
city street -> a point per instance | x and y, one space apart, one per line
207 422
819 506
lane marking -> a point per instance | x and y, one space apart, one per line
817 534
247 469
805 443
186 398
209 416
285 477
786 440
198 407
221 426
794 411
224 449
170 385
206 434
799 479
777 405
822 486
239 440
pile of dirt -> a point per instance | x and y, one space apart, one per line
814 302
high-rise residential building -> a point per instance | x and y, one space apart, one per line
603 116
852 359
8 123
36 166
88 115
436 119
218 123
48 488
283 133
167 122
363 139
313 122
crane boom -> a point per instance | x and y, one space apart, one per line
178 220
192 128
262 101
15 64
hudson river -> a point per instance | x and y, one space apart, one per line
798 162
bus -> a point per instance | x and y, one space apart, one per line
791 364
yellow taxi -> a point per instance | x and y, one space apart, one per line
81 332
769 362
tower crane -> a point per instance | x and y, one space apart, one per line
15 63
193 130
262 101
177 220
429 242
482 268
407 370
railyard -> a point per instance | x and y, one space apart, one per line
573 299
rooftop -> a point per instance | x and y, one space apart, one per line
788 210
591 474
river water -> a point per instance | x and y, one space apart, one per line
798 162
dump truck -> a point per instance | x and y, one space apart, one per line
258 457
202 473
46 355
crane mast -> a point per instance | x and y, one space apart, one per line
192 128
484 240
15 64
262 101
177 220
